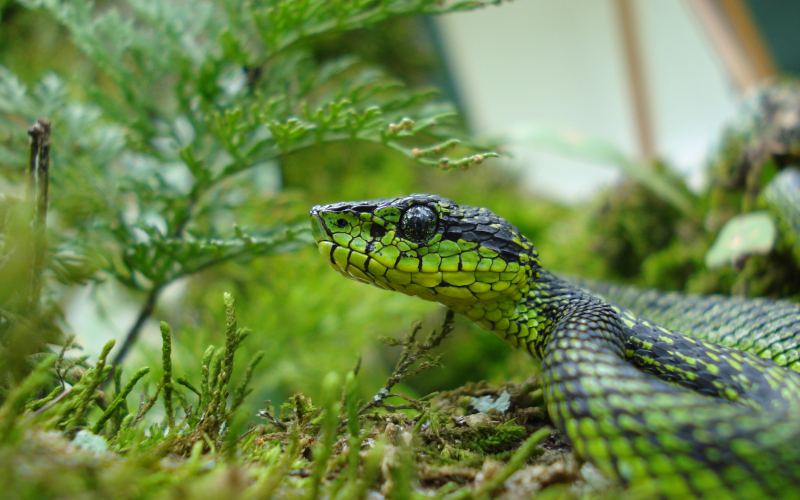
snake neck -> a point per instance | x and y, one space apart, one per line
548 301
526 319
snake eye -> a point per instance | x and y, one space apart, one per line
419 223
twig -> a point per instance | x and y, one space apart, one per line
145 407
133 334
38 183
412 352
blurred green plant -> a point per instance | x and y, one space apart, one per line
23 324
198 101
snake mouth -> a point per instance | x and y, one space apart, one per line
338 257
365 268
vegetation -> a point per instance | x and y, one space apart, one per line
157 156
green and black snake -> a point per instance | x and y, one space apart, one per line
714 414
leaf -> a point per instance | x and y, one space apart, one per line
745 234
486 403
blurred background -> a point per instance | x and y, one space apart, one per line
652 78
576 91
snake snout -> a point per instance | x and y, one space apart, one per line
317 227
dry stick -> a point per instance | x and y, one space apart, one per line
735 39
636 78
38 181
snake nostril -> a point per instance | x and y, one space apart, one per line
377 231
341 222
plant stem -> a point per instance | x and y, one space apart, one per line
166 362
133 334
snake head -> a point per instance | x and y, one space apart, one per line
463 257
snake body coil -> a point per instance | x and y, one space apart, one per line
712 415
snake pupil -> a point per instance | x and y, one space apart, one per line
419 223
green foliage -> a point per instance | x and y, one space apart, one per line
69 408
201 99
495 439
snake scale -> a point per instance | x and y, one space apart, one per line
714 414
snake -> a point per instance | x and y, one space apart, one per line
687 397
